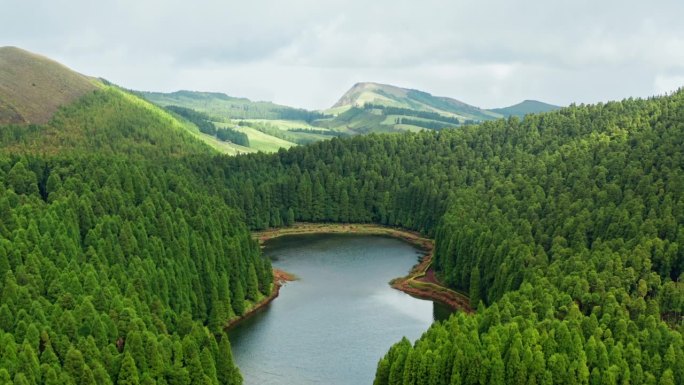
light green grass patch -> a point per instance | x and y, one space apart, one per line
286 125
223 147
260 141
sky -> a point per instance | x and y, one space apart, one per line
307 53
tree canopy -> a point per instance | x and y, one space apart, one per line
124 252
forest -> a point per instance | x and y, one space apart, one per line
389 110
117 266
206 125
565 227
122 265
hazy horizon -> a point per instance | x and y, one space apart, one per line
307 54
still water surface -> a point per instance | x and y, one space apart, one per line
341 316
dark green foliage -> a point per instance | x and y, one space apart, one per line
230 135
83 290
120 265
573 222
429 124
475 289
205 124
202 121
226 371
567 224
388 110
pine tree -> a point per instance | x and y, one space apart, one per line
667 378
238 300
74 364
252 283
217 315
128 374
290 217
134 347
475 286
208 365
6 318
20 379
22 180
226 371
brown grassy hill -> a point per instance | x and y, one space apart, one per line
33 87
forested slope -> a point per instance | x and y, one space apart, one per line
117 265
567 225
572 235
124 244
33 87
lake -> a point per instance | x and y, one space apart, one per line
333 324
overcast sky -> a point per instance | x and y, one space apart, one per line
306 53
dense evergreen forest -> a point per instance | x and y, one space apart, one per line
117 266
122 265
565 226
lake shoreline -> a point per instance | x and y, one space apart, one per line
280 277
420 282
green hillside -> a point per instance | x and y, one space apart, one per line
365 108
373 107
265 121
125 246
386 95
33 87
107 121
525 107
117 265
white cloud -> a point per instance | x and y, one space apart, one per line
306 53
664 84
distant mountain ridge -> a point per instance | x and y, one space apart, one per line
33 88
365 108
224 106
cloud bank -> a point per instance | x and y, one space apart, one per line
307 53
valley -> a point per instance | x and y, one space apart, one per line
365 108
127 246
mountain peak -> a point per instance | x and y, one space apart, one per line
368 92
527 106
33 87
405 98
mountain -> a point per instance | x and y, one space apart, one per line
525 107
33 87
76 111
268 126
50 108
365 108
392 96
